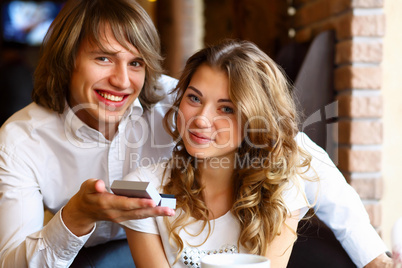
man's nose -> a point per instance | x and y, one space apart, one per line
120 78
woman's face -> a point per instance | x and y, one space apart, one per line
207 119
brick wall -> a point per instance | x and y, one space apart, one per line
359 27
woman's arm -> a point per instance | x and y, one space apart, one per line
146 249
280 248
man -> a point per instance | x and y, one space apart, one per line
96 115
94 87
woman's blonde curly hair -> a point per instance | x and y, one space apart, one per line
261 94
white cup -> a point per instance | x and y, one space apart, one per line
240 260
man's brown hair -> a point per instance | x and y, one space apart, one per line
80 19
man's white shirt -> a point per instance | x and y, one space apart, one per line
44 159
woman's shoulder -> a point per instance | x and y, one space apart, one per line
153 173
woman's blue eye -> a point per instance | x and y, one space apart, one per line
227 110
194 98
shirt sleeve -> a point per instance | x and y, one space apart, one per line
147 225
295 198
167 83
339 206
23 239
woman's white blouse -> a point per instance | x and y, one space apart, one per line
225 230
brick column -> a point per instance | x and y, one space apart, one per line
359 27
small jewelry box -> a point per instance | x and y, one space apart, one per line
141 189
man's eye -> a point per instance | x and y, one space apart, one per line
104 59
137 64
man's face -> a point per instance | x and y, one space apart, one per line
105 83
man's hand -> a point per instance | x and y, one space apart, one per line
93 203
382 261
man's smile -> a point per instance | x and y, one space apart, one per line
110 97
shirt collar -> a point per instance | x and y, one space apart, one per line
134 109
78 128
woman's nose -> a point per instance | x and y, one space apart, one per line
120 78
203 119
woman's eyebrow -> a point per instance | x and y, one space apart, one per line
196 90
199 93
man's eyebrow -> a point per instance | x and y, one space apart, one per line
112 53
103 51
199 93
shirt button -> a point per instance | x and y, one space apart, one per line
74 244
66 252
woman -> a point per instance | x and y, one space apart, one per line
236 169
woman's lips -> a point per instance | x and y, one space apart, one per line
199 138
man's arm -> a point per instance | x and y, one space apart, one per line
25 242
23 239
382 261
93 203
340 207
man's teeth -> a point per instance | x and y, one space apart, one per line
110 96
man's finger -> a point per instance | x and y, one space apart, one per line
130 203
100 186
93 186
143 213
